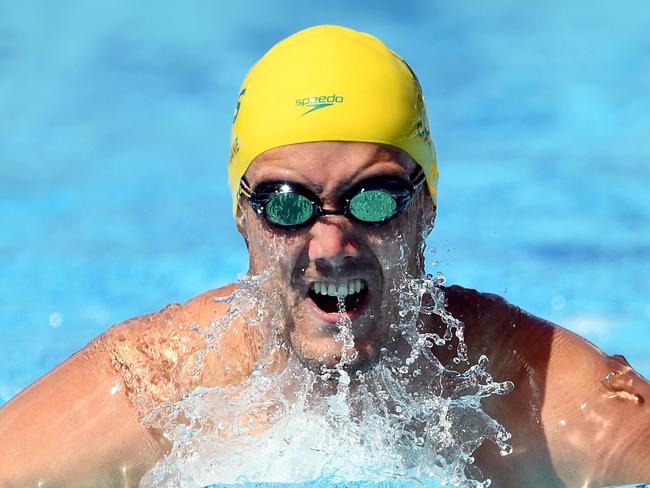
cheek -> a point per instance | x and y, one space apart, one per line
398 244
273 250
392 243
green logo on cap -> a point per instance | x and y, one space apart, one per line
316 103
234 118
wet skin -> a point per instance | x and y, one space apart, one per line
571 426
335 248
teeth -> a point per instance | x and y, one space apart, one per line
341 289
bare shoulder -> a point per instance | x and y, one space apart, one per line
163 355
595 414
81 424
200 311
578 416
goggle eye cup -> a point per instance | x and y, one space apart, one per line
373 206
289 209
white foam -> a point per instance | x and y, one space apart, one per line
294 426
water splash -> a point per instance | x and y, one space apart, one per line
407 418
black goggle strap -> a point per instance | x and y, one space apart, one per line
417 177
245 188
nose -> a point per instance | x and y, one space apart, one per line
331 242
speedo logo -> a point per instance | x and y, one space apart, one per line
316 103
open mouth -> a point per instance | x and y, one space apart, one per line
325 295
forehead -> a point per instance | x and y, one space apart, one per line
325 163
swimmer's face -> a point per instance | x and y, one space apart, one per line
335 250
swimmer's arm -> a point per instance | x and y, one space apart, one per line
75 428
596 415
569 427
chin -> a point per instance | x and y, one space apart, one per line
325 353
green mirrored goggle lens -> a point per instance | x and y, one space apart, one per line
289 209
373 206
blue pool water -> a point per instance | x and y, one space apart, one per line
114 136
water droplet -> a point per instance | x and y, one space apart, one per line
558 302
56 319
483 362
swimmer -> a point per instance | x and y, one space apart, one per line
331 159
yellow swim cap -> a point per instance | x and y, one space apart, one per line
329 83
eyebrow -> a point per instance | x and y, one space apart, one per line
415 177
343 186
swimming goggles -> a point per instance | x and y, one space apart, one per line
291 205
